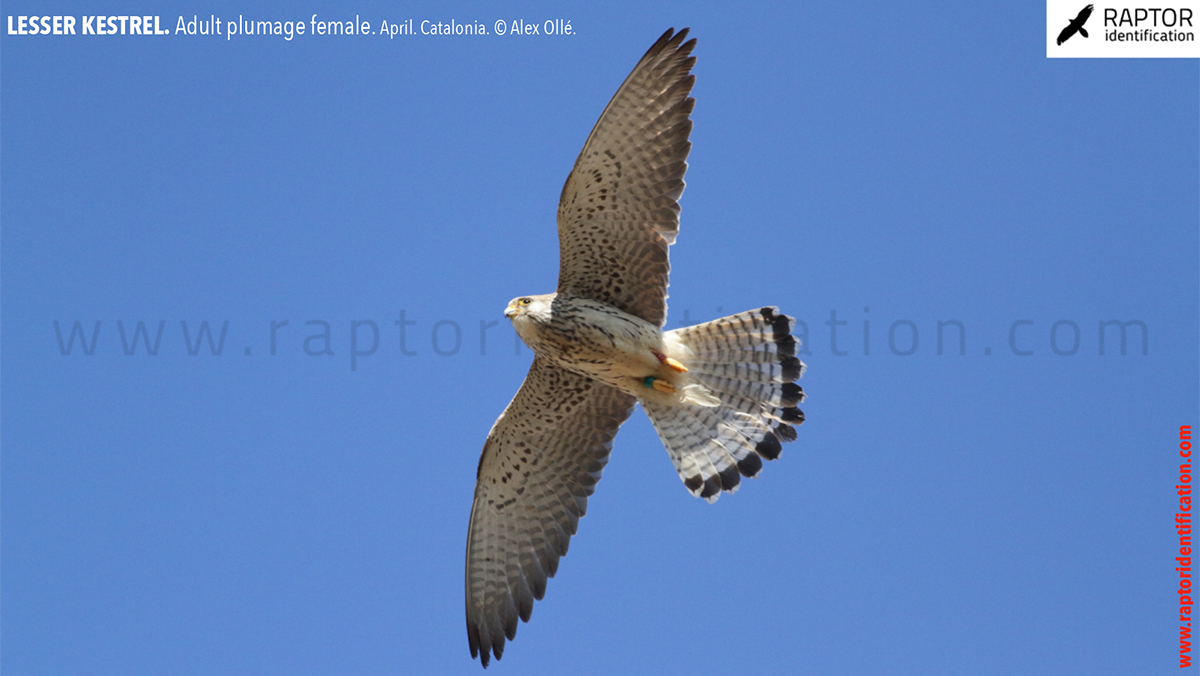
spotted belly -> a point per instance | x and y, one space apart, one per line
603 342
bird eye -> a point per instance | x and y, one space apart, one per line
526 301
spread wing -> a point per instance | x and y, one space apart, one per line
619 208
540 462
1076 25
1067 33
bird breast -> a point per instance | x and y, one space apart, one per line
595 339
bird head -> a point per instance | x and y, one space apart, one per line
529 308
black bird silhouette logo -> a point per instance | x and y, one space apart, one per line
1076 25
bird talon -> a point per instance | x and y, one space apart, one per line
675 365
658 384
672 363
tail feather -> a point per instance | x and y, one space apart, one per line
767 393
707 445
771 372
746 365
767 355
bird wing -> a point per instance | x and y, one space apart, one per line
619 209
1067 32
540 463
1083 15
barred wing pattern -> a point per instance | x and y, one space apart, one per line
540 463
619 208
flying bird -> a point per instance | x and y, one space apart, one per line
721 395
1076 25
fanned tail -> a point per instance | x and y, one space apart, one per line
742 404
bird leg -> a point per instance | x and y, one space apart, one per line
658 384
673 364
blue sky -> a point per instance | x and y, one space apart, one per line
898 165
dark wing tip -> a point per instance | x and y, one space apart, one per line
660 43
473 639
670 40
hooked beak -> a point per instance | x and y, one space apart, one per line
510 311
